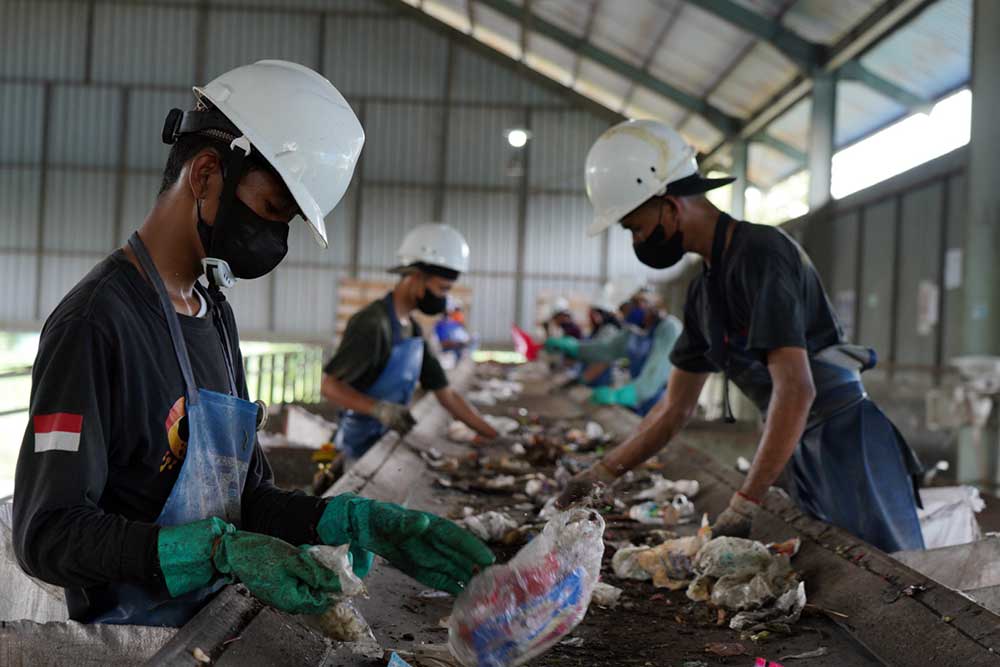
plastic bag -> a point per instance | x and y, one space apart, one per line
740 574
511 613
343 622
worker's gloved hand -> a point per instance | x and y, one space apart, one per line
585 484
361 561
564 344
432 550
624 395
185 554
394 416
283 576
737 519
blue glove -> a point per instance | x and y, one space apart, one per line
610 396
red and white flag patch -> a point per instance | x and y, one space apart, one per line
59 431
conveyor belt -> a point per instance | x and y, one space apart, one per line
882 611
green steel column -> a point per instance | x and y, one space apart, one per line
822 124
737 208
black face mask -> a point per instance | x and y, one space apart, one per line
430 303
658 251
250 244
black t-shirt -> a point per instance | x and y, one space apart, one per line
774 298
85 506
365 347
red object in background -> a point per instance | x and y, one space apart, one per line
523 343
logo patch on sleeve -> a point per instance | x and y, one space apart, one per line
58 432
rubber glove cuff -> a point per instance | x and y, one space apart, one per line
565 344
185 554
610 396
334 527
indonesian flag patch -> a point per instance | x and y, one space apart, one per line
59 432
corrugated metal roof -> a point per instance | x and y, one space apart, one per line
713 59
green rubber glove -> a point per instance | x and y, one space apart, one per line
281 575
361 561
565 344
432 550
185 554
610 396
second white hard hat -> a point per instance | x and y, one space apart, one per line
634 161
437 245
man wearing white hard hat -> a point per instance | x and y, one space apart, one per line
382 355
140 486
759 314
645 341
561 319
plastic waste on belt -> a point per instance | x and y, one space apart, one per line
670 565
490 526
511 613
670 513
523 343
664 490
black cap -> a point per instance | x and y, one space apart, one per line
696 184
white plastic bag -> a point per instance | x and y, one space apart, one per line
511 613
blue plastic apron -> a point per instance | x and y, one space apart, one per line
605 379
638 349
221 438
358 432
450 331
851 468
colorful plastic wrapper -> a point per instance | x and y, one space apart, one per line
511 613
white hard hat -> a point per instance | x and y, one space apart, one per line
559 305
437 245
617 291
634 161
300 124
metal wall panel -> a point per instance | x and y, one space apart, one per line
316 289
139 197
365 6
59 275
43 39
492 310
21 129
876 282
158 42
489 223
19 196
559 144
384 57
387 214
556 242
339 234
79 211
403 143
147 109
17 287
86 126
481 79
953 296
919 255
251 301
237 38
478 151
840 283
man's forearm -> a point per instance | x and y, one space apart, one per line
594 371
786 419
460 409
340 393
655 431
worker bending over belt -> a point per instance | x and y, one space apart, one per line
759 314
140 486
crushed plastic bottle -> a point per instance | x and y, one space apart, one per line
511 613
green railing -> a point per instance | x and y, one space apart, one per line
285 377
